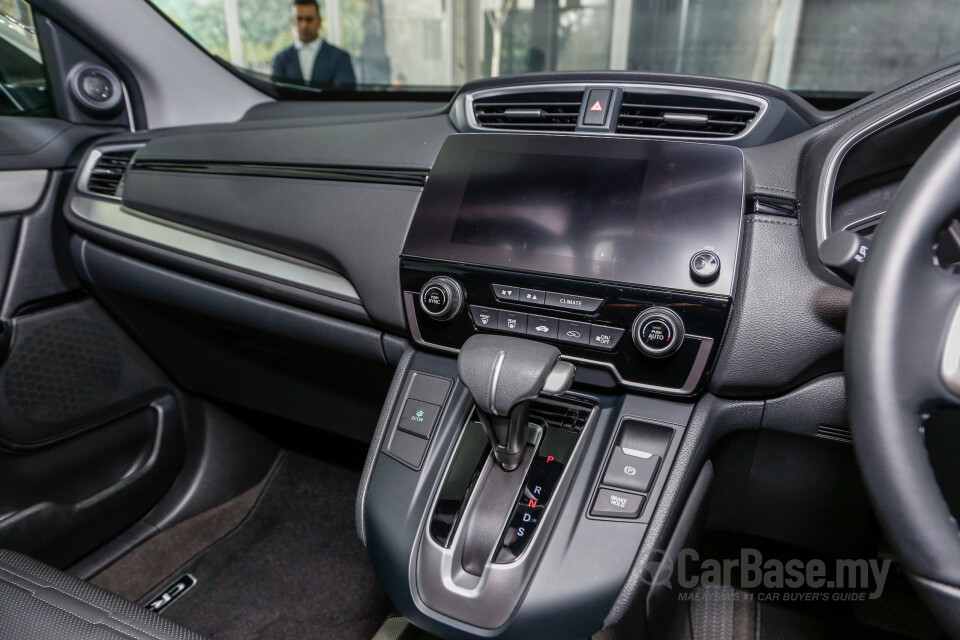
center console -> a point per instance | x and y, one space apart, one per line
620 252
534 263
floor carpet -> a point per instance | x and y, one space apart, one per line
293 569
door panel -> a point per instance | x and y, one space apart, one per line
91 434
59 502
70 368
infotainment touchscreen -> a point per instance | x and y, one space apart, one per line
570 206
631 211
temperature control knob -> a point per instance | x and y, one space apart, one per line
658 332
441 298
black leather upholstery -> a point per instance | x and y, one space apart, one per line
38 602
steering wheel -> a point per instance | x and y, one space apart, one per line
902 359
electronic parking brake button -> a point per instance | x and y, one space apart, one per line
617 504
631 469
418 417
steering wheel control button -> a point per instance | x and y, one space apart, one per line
605 338
542 327
532 296
705 266
573 332
598 105
418 417
506 293
512 322
441 298
631 469
572 303
658 332
611 503
484 317
843 252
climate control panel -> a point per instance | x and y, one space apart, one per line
619 335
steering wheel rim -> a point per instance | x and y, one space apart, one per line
904 307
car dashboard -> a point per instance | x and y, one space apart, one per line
661 231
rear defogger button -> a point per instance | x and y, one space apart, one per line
573 303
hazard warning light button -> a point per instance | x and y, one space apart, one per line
598 104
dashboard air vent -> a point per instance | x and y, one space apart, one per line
683 116
540 111
108 171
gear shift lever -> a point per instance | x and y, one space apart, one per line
504 374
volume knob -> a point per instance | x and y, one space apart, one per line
441 298
658 332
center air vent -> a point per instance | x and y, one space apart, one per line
540 111
109 167
684 116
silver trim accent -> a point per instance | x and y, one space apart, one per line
112 216
828 179
636 453
21 190
497 366
689 385
491 598
463 106
128 107
86 170
950 362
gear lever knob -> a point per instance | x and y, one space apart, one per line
504 374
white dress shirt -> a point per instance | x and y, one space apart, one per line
308 55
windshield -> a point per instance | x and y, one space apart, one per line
846 47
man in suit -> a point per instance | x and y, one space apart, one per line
311 61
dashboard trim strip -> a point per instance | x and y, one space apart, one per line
127 222
414 178
828 179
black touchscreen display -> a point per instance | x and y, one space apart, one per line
631 211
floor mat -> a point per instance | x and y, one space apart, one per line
293 569
148 567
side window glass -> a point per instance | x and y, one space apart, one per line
24 89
